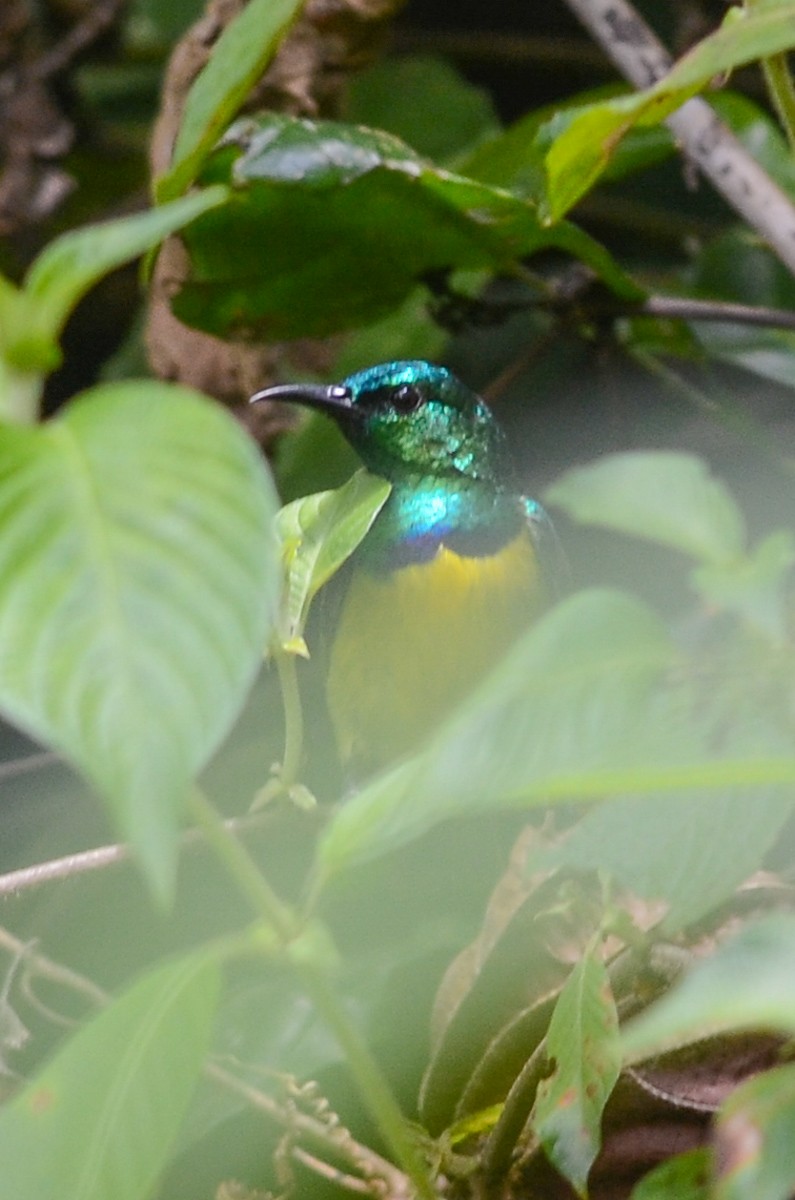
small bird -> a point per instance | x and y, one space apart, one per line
451 571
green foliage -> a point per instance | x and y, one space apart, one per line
583 1048
141 582
241 54
313 200
582 143
99 1119
318 533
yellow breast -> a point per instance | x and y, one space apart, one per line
410 645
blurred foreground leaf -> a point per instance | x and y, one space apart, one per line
100 1118
664 496
138 570
748 983
754 1139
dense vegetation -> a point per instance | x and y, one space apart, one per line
553 953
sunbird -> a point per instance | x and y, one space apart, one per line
452 570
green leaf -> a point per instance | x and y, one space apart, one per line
748 983
100 1118
583 143
239 57
753 1135
691 849
758 588
683 1177
583 1046
425 101
570 701
138 572
664 496
331 227
71 264
318 533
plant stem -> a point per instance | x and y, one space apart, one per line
363 1067
243 869
372 1085
782 93
293 718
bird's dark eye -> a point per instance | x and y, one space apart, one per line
406 398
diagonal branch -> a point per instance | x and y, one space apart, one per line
721 157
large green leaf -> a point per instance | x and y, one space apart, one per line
691 849
98 1121
587 704
748 983
664 496
583 1046
571 700
332 226
583 143
138 572
754 1138
239 57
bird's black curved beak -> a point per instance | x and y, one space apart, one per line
333 399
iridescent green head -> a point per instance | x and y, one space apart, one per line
409 419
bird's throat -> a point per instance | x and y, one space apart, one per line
424 514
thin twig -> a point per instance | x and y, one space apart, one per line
97 20
643 60
100 857
47 968
688 309
28 762
338 1141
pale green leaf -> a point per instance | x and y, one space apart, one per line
583 1046
690 848
318 533
99 1119
748 983
138 572
239 57
570 701
683 1177
665 496
754 1135
71 264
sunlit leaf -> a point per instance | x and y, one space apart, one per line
100 1118
318 533
664 496
239 57
71 264
754 1137
584 1050
583 143
748 983
138 572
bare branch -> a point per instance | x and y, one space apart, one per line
101 857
